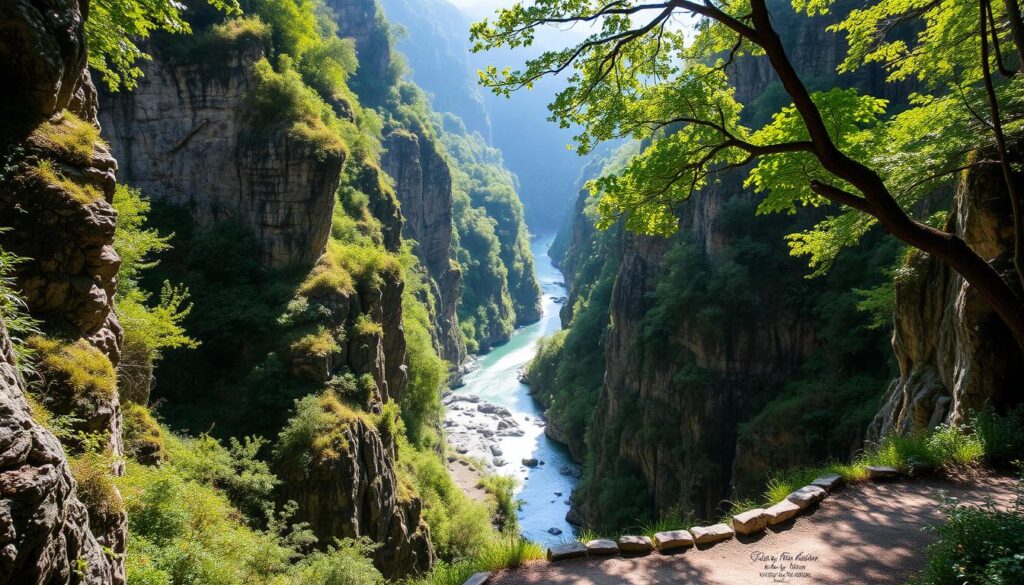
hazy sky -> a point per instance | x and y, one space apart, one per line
480 7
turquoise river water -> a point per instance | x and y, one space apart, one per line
494 378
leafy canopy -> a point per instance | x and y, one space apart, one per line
637 75
115 28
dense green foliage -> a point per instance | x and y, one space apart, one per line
982 544
480 173
184 528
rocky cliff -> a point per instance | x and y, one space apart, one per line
58 180
423 184
954 354
187 136
47 538
357 495
191 140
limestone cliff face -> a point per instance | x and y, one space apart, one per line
185 136
358 20
357 495
57 183
954 354
423 184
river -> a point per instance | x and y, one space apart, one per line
494 378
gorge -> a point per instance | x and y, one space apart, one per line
290 292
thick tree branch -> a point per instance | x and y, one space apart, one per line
840 196
1016 27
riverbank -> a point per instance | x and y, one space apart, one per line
493 418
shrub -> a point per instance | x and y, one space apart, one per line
143 438
282 97
978 545
236 469
344 564
366 327
1002 437
85 194
96 488
421 401
499 554
320 344
353 390
77 379
459 526
502 488
316 432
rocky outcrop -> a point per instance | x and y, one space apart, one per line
356 494
423 185
359 20
46 537
186 136
57 183
954 353
70 276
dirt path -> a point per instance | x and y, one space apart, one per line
870 534
467 478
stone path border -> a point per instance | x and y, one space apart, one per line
745 523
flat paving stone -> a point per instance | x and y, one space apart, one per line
781 512
828 482
882 472
602 547
806 496
478 579
569 550
673 539
711 534
750 522
635 544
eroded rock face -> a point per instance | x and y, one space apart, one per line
55 191
688 461
65 230
185 135
42 61
356 495
423 184
46 536
954 353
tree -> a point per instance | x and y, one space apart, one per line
114 28
638 75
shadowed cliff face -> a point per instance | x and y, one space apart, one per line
55 193
185 136
668 432
423 184
954 353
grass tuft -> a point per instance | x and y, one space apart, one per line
46 171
